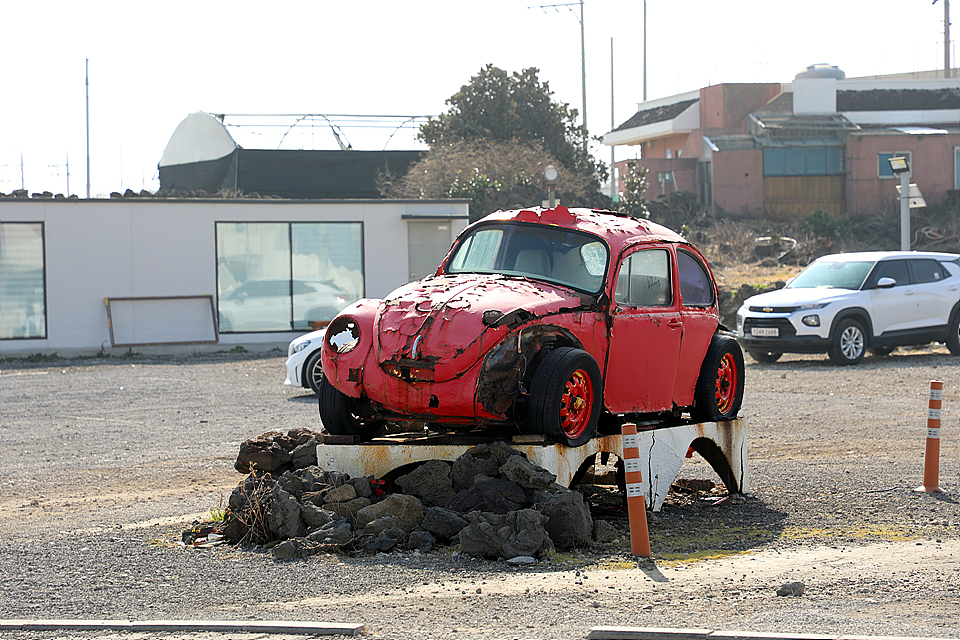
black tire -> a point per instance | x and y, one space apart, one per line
313 372
566 381
848 344
339 416
953 339
719 393
765 357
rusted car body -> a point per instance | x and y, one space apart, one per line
544 320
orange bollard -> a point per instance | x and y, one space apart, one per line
636 503
931 456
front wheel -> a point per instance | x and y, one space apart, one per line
719 393
340 416
848 343
565 397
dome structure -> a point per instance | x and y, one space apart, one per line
822 70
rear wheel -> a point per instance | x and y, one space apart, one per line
565 397
340 415
313 372
765 356
719 392
848 343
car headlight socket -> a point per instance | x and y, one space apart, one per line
343 334
811 321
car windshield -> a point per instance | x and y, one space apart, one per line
833 274
542 252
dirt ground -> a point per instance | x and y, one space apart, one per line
103 462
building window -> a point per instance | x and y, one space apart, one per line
956 167
803 161
286 276
883 162
23 308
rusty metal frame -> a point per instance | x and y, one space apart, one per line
662 453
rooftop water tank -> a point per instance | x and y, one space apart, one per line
823 71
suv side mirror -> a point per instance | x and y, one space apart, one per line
886 283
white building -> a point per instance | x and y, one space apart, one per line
84 276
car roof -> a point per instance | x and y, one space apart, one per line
877 256
619 230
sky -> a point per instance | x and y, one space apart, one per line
153 63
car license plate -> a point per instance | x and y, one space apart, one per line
765 332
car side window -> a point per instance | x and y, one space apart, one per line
896 269
925 270
644 280
696 287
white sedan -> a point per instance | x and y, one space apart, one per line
303 361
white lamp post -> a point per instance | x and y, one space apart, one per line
900 167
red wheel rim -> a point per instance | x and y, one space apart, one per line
726 383
576 405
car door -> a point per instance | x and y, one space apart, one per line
894 309
937 292
644 344
697 301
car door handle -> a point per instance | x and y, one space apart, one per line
675 323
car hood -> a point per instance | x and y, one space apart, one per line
447 323
798 297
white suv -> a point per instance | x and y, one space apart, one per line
846 303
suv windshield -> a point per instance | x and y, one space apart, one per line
549 253
833 275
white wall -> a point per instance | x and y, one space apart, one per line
121 248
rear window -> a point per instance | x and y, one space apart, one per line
925 270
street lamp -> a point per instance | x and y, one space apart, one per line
901 168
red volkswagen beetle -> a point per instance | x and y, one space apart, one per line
539 321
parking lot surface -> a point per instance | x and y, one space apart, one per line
104 461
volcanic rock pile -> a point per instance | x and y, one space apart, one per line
492 501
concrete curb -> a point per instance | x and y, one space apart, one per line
234 626
653 633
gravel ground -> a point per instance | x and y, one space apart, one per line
103 462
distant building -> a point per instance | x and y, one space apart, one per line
822 141
202 156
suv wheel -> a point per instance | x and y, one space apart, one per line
565 397
848 343
953 340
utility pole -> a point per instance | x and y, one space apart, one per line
87 83
583 75
644 50
613 125
947 72
583 56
